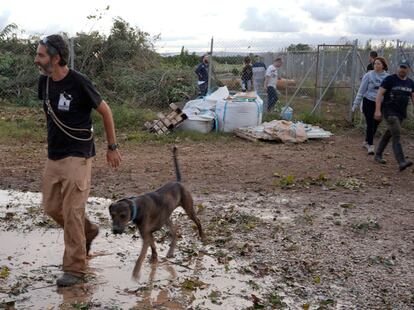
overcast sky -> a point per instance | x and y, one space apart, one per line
235 25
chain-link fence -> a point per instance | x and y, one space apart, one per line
127 69
318 79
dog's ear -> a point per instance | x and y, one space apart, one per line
111 206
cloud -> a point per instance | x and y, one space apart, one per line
371 25
399 10
353 3
4 19
321 11
270 21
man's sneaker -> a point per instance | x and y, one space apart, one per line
90 235
68 279
405 165
371 150
365 145
379 159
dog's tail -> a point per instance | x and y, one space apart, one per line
177 168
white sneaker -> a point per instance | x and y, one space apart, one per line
365 145
371 150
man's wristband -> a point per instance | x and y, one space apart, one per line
112 147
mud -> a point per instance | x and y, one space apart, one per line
311 226
30 270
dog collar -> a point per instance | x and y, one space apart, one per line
134 209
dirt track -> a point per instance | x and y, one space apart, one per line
322 221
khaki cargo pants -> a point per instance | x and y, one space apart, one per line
65 188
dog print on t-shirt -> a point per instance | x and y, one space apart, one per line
64 101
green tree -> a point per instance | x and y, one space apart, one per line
18 75
298 47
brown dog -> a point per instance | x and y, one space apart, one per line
151 211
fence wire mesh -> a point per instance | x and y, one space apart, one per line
127 69
322 79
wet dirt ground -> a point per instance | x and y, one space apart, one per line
310 226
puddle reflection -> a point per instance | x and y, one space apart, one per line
33 254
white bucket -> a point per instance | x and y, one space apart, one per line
199 124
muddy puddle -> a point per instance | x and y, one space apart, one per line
289 250
32 249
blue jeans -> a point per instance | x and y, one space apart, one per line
271 98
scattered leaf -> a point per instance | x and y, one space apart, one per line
4 272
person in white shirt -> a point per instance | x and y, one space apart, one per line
271 78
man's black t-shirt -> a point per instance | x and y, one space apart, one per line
397 94
72 100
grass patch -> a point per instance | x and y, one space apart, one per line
141 136
126 118
19 123
192 284
275 301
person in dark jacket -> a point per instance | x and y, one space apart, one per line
202 74
247 74
391 103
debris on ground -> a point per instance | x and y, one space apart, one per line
223 111
282 131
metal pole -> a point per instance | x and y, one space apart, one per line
210 61
397 55
322 76
72 53
353 77
316 76
287 74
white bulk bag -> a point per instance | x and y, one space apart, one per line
231 115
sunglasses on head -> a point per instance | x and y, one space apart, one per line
46 41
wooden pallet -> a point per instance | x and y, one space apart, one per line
166 123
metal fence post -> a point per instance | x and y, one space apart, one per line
72 53
316 77
353 77
210 61
321 90
397 55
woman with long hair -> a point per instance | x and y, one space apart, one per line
367 93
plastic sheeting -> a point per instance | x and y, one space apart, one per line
228 112
283 131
